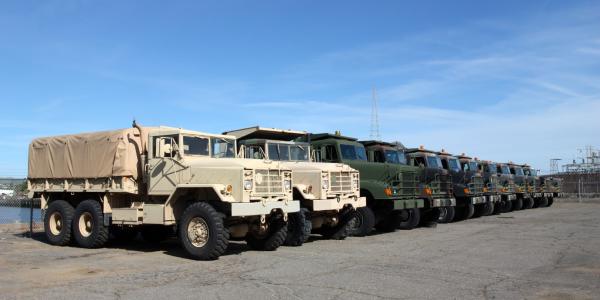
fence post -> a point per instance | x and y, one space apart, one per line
31 218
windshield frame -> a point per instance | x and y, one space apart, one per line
359 152
436 159
230 152
457 167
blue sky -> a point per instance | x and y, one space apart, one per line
500 80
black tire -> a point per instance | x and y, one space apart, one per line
58 221
543 202
465 212
123 233
343 228
528 203
275 236
518 204
429 217
550 201
498 208
507 206
411 220
363 222
218 235
299 228
480 209
156 233
390 222
447 214
489 209
88 225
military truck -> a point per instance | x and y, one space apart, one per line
523 186
498 184
391 201
441 199
471 167
411 186
158 180
467 187
535 186
507 182
328 193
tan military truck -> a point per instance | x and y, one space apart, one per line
329 193
158 180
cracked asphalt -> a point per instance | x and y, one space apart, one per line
544 253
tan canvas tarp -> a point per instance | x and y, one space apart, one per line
86 155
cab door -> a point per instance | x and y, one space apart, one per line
164 172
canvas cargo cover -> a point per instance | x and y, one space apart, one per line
87 155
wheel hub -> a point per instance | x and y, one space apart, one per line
55 223
198 233
86 224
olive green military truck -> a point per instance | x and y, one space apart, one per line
534 185
439 181
390 204
328 193
523 186
498 185
158 180
467 188
507 182
471 167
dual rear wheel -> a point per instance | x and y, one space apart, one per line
85 224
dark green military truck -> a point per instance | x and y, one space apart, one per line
438 181
471 167
522 186
498 184
467 186
534 185
507 182
391 201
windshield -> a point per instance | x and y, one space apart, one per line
194 145
222 147
395 157
519 172
434 162
491 168
505 170
533 172
352 152
287 152
473 165
299 153
454 164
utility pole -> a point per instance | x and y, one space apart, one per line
374 134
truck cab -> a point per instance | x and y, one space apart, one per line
507 182
329 193
467 188
434 175
390 199
523 188
472 167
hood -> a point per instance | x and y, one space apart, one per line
232 163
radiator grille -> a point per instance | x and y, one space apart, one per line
268 182
341 182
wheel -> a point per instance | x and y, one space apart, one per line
528 203
447 214
429 217
543 202
410 218
518 204
57 222
550 201
202 232
390 222
498 207
123 233
363 222
156 233
272 239
299 228
506 206
343 228
480 209
465 212
88 225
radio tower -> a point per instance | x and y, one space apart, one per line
374 118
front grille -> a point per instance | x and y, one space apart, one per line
441 185
476 185
493 185
268 182
341 182
409 185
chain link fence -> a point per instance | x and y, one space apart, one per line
20 214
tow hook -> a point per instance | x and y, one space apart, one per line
285 217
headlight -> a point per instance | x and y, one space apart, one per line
325 184
287 184
248 184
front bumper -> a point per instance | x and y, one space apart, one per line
338 203
263 208
442 202
548 195
509 197
493 198
478 199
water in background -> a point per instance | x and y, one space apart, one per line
11 215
